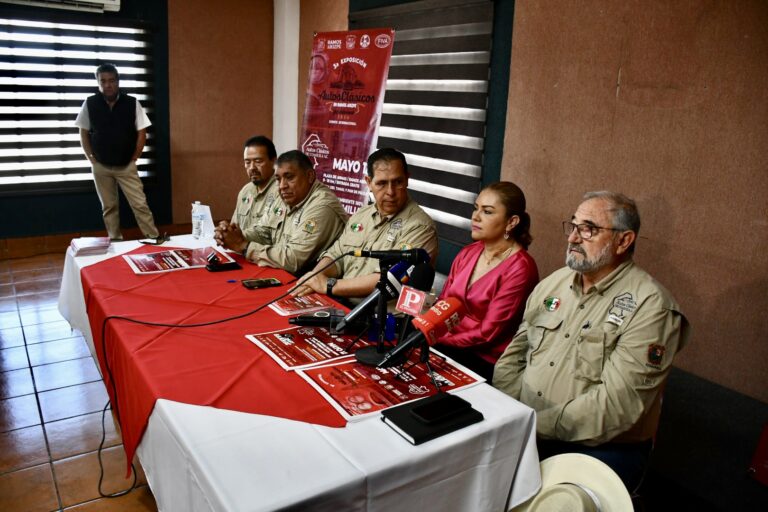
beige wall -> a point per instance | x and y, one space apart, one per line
220 80
666 102
325 16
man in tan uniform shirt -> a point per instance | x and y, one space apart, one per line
596 344
259 195
393 222
293 233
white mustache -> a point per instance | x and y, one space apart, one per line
577 248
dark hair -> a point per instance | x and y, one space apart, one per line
624 210
296 157
261 140
386 154
513 200
107 68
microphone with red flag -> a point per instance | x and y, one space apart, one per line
439 319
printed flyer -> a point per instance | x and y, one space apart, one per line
173 259
358 391
289 306
302 347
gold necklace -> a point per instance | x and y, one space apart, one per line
501 256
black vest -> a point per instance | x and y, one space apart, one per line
113 131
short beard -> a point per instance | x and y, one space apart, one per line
585 265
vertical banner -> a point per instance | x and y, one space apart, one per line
347 77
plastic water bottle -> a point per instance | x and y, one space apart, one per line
197 220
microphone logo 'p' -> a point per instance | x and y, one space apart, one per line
411 301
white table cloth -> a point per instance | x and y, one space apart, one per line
204 459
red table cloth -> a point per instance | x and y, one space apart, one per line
213 365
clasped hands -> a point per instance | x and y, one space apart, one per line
230 236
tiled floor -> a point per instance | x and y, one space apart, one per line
51 398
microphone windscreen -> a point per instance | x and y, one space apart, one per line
440 318
422 277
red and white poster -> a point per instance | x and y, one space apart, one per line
347 78
173 259
357 391
302 347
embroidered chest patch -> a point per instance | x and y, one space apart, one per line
552 303
623 305
356 227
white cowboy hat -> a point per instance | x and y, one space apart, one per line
573 482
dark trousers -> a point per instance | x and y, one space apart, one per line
469 359
628 460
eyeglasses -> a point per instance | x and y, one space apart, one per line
586 231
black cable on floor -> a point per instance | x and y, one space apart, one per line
101 464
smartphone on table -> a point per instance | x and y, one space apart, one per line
261 283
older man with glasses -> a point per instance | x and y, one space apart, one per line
596 344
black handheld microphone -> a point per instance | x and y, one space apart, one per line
323 318
420 277
395 277
412 256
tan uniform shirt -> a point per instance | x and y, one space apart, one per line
593 364
252 204
296 236
366 230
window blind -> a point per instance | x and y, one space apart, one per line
435 102
46 72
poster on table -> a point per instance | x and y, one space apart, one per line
290 305
301 347
358 391
347 79
174 259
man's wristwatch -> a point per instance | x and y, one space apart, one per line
329 286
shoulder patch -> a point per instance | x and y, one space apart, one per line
310 225
655 355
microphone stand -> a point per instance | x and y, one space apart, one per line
381 307
423 348
424 358
374 355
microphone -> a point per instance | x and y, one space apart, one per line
413 296
322 318
439 319
412 256
396 275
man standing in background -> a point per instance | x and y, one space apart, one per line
113 130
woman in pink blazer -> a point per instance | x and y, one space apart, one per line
493 276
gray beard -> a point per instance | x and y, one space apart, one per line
585 265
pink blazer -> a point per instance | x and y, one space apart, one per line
495 302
